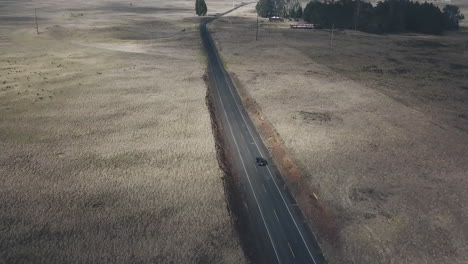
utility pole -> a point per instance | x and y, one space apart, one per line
331 38
37 25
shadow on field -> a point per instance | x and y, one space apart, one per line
18 20
116 7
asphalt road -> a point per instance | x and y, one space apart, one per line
278 225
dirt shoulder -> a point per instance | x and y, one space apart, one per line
382 148
107 153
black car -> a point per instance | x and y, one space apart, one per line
261 161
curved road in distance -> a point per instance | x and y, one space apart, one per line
277 223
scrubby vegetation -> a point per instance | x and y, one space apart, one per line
389 16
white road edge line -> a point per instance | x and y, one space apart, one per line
259 150
263 185
247 174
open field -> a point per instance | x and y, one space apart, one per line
107 154
377 123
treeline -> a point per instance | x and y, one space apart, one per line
389 16
280 8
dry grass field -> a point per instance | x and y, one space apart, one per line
377 123
106 149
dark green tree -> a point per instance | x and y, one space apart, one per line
314 12
453 16
266 8
292 13
197 8
200 8
286 14
366 18
295 11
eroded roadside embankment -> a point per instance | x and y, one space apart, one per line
232 185
319 218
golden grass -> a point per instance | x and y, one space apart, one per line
106 153
377 124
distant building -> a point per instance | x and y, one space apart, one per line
276 19
306 26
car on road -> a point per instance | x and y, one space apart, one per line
261 161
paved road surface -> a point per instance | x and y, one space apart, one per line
278 225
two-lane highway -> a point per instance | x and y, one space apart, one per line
278 225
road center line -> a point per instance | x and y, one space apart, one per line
277 218
292 252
